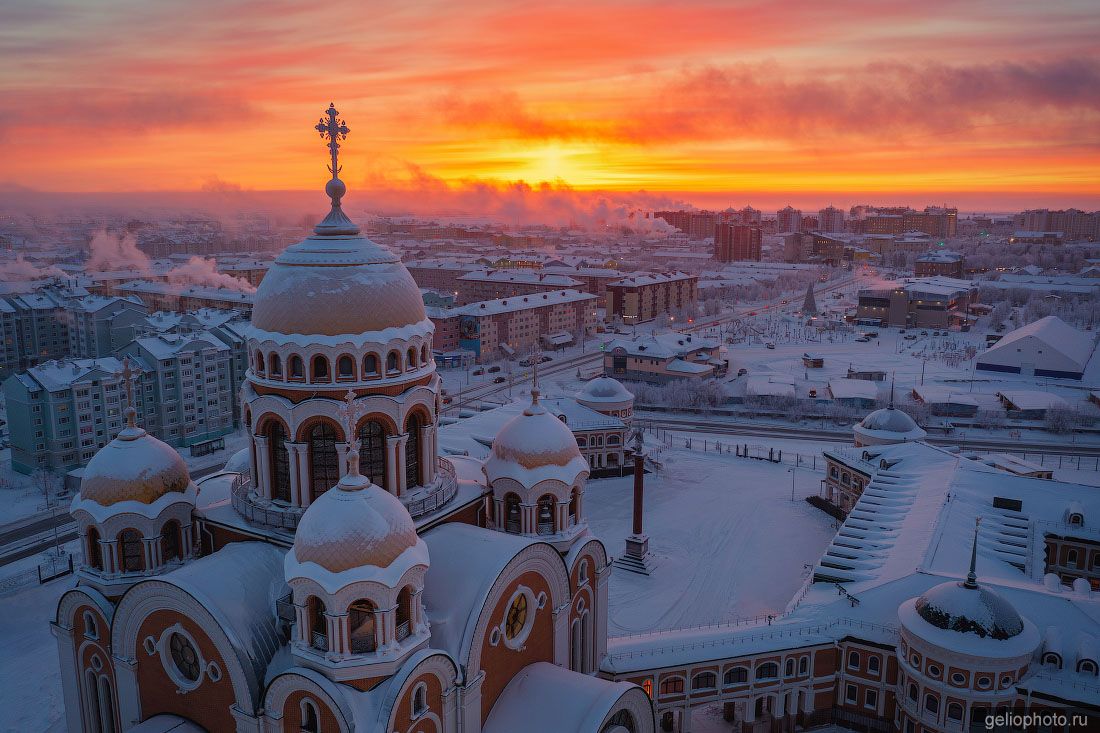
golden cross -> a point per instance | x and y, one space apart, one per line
334 129
128 375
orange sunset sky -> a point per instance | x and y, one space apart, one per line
986 104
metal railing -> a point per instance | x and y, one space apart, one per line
545 528
259 510
318 641
402 630
284 609
512 526
363 644
448 487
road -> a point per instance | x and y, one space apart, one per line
38 536
715 425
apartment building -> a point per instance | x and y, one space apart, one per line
478 286
643 297
737 242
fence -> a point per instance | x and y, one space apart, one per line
53 568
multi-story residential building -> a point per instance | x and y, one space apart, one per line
9 340
61 412
641 298
788 219
939 262
934 221
97 326
192 390
830 219
169 297
936 302
697 225
441 275
474 287
663 357
737 242
508 326
1075 225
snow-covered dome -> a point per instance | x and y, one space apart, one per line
604 389
135 466
354 525
331 285
957 606
887 425
534 446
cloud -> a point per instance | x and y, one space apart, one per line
19 270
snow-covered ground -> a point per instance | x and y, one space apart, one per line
728 541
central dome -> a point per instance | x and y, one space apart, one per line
969 610
333 285
605 389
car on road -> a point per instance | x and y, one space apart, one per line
871 334
478 372
910 337
447 399
863 340
544 358
499 380
752 313
923 333
742 372
770 345
494 369
525 362
812 393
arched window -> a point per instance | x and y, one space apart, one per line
788 668
954 711
91 695
280 462
853 660
931 704
370 365
1076 519
311 722
130 551
403 613
574 504
872 664
425 355
511 513
106 705
912 692
613 440
393 363
704 681
91 629
295 368
324 463
259 362
319 369
361 622
413 469
372 451
345 368
672 686
275 365
736 676
170 541
93 552
803 665
767 671
318 625
1087 666
1071 557
420 700
411 359
544 515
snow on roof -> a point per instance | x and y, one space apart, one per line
1032 399
688 367
769 386
843 388
466 562
545 698
655 278
579 417
663 345
526 278
55 376
1053 333
514 303
938 394
239 585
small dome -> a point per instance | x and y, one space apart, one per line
353 525
336 285
604 389
889 419
135 466
531 441
976 610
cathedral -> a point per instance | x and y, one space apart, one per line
352 579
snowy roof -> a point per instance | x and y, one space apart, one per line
769 386
663 345
466 562
579 417
546 698
656 278
514 303
843 388
934 394
604 390
1053 334
535 446
526 278
688 367
1032 399
55 376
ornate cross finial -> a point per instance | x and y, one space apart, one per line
972 576
335 130
351 412
536 359
129 375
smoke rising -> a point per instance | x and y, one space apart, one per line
20 270
203 272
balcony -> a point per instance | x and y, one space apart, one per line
363 644
256 509
545 528
318 641
402 630
429 498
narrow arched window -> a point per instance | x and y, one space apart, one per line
318 624
413 470
954 711
94 553
259 362
311 722
736 676
574 504
420 700
544 515
511 513
275 366
170 541
295 367
425 355
370 365
364 638
372 451
931 703
403 613
788 669
393 363
280 462
131 552
319 369
345 368
324 463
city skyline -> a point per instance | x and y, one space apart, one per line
706 104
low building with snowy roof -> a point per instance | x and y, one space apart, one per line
1048 347
769 389
944 401
859 393
663 357
1030 404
